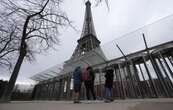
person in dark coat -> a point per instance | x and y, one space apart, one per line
77 81
109 77
89 83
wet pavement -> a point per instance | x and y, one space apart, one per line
128 104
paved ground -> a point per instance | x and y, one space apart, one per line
139 104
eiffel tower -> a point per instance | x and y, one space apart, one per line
87 51
88 40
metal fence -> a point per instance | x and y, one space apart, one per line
142 61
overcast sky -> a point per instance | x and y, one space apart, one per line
124 16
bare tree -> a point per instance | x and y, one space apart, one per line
8 46
99 1
36 28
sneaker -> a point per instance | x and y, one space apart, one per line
107 101
76 101
111 100
88 101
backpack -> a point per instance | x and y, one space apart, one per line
85 75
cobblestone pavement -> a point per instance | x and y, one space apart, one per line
128 104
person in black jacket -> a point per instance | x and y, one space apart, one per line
89 83
109 77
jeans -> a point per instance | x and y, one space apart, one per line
108 92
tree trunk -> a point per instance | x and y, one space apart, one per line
8 90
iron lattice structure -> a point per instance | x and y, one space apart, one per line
143 67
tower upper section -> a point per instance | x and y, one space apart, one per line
88 26
88 40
